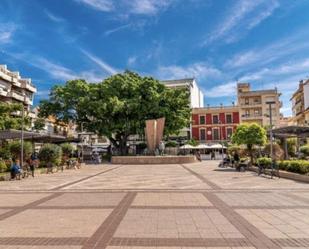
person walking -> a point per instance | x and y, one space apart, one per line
32 167
212 155
236 159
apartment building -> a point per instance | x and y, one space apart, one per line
253 107
300 104
196 97
15 89
213 124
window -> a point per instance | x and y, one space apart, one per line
229 119
202 134
202 119
215 133
215 119
246 101
229 132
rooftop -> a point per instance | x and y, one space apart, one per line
178 82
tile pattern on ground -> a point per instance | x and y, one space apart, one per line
140 177
171 199
176 223
286 223
154 206
258 199
53 223
85 199
17 200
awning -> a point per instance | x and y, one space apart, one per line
291 131
39 137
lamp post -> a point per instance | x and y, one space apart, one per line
220 137
82 130
22 136
270 103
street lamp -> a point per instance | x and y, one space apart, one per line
82 130
22 136
221 137
270 103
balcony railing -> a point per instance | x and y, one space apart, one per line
251 116
17 95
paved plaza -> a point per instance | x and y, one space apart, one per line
154 206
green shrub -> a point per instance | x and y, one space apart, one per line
193 142
50 153
304 149
5 152
3 167
299 166
265 161
171 144
15 149
67 149
283 165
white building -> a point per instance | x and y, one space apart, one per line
15 89
196 98
196 95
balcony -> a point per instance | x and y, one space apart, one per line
28 101
4 75
15 82
3 92
251 116
251 104
26 83
17 95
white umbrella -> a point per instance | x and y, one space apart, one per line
187 147
203 146
217 146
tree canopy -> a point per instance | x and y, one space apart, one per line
249 135
9 121
118 106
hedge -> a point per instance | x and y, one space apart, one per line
265 161
296 166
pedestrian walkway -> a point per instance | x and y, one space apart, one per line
154 206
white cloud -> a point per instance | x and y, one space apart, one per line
148 7
111 31
102 64
125 7
225 90
131 60
243 15
101 5
199 70
53 17
270 53
6 32
281 71
264 14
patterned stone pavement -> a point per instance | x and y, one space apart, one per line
154 206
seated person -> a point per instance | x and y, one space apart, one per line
15 170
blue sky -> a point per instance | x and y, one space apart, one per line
265 42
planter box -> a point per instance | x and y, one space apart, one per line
286 174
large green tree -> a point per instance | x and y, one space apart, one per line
9 118
249 135
118 106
